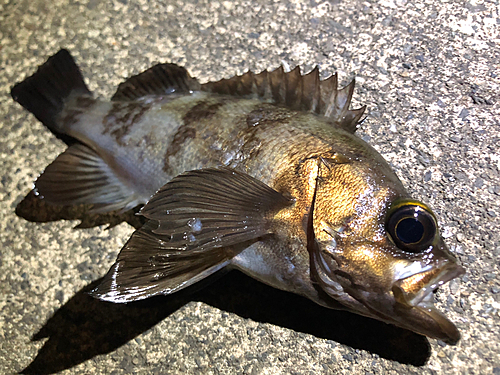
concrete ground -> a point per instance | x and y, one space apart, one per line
428 71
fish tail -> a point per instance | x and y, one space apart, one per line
45 93
79 175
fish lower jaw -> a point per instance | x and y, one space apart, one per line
418 304
443 329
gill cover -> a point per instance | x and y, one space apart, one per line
376 252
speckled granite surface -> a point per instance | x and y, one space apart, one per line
429 73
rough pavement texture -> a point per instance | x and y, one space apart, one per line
429 73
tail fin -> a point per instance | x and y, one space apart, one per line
45 92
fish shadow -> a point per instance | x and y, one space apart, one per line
85 327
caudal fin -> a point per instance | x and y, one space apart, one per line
45 92
79 176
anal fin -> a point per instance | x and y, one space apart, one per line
80 176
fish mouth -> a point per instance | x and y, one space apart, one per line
414 296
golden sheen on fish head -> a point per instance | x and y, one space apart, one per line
375 250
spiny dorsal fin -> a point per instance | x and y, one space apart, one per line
295 91
161 79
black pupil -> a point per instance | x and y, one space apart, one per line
410 230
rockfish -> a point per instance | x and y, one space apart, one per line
260 173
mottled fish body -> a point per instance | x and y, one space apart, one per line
262 173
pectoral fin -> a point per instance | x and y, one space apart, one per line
196 224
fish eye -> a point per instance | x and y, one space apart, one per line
411 227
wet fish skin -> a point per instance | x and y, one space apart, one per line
261 173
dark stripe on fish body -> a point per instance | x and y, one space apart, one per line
71 115
202 111
85 102
258 121
263 114
183 133
121 117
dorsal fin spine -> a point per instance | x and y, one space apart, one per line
297 92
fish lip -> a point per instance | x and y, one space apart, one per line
420 305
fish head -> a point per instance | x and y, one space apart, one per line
377 251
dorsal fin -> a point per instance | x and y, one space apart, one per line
161 79
295 91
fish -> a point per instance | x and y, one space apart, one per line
262 173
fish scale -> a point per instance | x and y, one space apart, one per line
259 172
